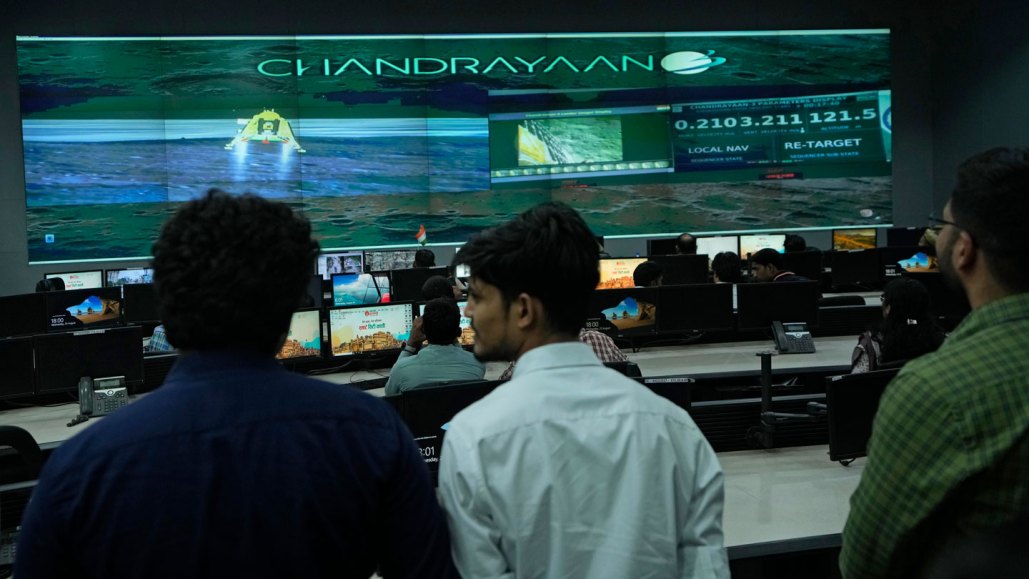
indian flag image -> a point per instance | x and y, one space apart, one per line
421 236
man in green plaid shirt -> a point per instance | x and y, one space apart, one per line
949 454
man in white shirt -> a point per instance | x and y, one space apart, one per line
569 469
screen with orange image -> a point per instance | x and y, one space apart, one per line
617 272
848 239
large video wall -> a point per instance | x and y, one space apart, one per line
372 137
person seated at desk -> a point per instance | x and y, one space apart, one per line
424 258
603 346
159 341
686 244
648 274
53 284
725 268
438 286
907 330
236 467
767 265
442 360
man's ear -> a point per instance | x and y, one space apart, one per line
965 253
526 310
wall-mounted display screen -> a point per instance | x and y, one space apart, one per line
372 137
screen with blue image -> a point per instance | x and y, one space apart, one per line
350 289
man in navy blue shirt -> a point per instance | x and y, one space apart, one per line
236 467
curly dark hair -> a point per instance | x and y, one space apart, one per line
909 330
441 321
230 270
547 252
437 286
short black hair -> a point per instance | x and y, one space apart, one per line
767 256
230 270
424 258
53 284
647 273
909 330
437 286
547 252
686 244
990 201
794 242
441 321
726 265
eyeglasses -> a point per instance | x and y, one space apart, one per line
939 223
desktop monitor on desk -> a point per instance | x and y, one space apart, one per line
661 246
140 303
760 304
712 246
93 278
616 272
624 312
61 359
860 268
389 259
83 309
853 238
350 289
22 315
852 401
327 264
904 236
369 329
751 244
681 269
406 284
807 263
304 340
467 338
115 277
946 303
695 308
16 367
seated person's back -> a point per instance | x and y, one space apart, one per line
443 359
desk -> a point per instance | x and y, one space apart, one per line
699 359
785 499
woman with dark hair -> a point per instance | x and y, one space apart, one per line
907 330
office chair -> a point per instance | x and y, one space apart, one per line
26 460
838 301
630 369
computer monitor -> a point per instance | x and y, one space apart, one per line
760 304
624 311
389 259
467 338
860 268
83 309
806 263
22 315
904 236
406 284
339 262
140 303
350 289
61 359
304 340
858 238
698 307
661 246
680 269
712 246
115 277
944 302
369 329
751 244
852 401
616 272
93 278
16 367
314 293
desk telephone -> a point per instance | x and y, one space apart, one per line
102 396
792 338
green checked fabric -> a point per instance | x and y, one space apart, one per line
949 452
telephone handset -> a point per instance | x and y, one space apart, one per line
792 338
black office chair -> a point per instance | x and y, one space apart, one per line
630 369
839 301
24 463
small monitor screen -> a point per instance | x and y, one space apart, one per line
680 311
22 315
624 312
113 277
712 246
917 261
80 279
848 239
680 269
304 339
369 328
84 308
904 236
386 260
349 289
661 246
140 303
462 270
467 333
407 283
617 272
61 359
759 304
340 262
750 244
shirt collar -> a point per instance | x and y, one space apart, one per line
559 355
